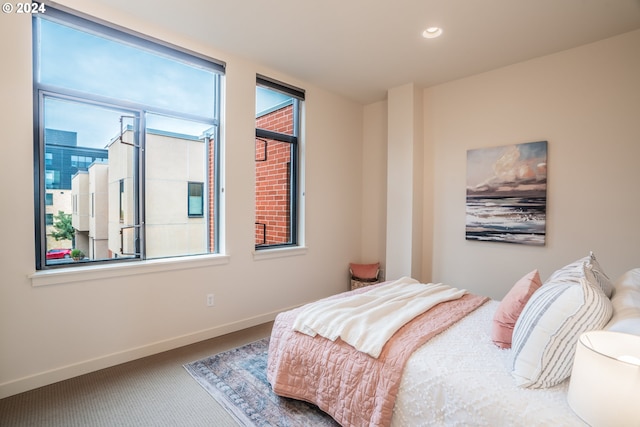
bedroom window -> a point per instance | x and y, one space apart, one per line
124 128
277 163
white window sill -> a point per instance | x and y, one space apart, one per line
279 252
106 271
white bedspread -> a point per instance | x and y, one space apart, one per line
460 378
367 320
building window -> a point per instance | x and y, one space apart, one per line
48 199
125 137
51 179
49 219
277 163
195 201
121 201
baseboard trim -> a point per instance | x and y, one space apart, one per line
42 379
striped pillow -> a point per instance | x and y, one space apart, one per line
572 272
547 331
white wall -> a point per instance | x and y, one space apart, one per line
586 103
93 320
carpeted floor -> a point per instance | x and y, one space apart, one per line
237 379
153 391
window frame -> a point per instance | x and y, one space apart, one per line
119 34
295 141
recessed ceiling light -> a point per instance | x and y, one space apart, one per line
432 32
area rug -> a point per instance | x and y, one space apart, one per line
237 379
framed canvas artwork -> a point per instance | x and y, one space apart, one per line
507 193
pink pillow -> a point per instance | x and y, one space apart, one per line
510 308
365 271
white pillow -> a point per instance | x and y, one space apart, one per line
626 304
572 272
547 331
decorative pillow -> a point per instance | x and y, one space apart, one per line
510 308
571 272
364 272
626 304
547 331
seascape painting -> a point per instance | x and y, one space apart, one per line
507 193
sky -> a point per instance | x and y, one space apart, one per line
107 68
266 98
111 69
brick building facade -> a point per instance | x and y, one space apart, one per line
273 179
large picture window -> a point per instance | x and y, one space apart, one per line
277 163
123 125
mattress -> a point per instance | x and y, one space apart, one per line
460 378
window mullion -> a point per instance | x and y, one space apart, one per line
277 136
140 172
89 98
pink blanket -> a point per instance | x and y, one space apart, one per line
351 386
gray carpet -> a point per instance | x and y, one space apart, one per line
153 391
238 380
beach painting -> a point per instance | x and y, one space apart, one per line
507 193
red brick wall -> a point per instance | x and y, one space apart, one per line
273 180
211 198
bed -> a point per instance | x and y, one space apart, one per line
458 376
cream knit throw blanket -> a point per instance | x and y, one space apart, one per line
367 320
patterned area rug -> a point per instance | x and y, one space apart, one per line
237 379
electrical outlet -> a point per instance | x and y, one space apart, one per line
209 300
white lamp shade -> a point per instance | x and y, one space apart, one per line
605 391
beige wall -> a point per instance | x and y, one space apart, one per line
586 103
120 207
93 320
404 182
374 189
99 221
81 201
171 163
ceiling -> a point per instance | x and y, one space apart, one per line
362 48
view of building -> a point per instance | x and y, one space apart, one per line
104 209
63 159
96 186
273 177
